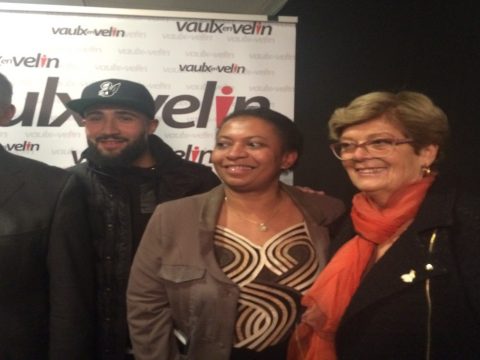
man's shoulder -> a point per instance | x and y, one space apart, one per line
193 167
168 160
79 169
188 171
31 166
35 176
195 201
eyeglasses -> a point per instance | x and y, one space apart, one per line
381 147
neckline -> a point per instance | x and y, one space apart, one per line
267 242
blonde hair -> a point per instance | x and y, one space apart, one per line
415 113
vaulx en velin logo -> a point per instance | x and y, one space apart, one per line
108 89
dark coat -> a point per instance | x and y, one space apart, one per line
111 221
423 296
46 264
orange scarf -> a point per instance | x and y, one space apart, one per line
328 298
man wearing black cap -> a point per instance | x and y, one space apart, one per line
47 277
129 170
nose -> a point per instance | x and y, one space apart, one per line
236 151
110 126
360 153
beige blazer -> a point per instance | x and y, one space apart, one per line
180 303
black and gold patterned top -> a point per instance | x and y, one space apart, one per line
271 279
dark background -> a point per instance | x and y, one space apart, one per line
348 48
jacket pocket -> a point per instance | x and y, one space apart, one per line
181 273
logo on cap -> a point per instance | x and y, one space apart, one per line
108 89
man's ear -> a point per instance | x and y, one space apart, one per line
152 126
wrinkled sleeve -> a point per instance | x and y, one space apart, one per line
71 267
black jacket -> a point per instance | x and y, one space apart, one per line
111 220
423 296
47 279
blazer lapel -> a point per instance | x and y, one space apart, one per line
401 267
208 222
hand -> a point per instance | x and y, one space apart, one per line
309 190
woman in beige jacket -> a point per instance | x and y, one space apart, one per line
220 275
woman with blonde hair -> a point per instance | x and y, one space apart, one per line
404 280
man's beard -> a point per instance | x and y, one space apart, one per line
123 159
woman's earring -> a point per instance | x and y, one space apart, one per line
426 170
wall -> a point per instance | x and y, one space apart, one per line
347 48
198 67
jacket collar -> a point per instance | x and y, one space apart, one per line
216 196
211 209
208 221
436 209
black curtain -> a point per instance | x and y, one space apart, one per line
348 48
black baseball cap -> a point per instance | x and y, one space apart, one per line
125 93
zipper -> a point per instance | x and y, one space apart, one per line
428 296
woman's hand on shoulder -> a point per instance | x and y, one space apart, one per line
309 190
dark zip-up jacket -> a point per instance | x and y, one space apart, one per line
421 300
111 221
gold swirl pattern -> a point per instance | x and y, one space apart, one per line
271 279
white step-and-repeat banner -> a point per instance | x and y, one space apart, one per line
198 67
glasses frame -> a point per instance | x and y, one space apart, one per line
365 144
